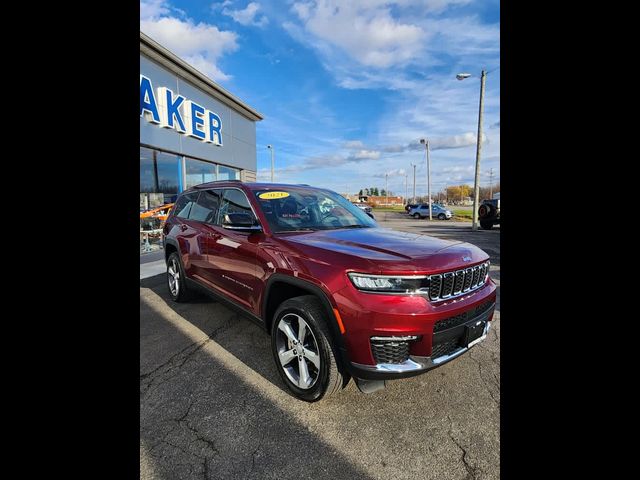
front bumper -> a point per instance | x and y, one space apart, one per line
436 328
416 364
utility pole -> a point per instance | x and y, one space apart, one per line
270 147
386 187
490 184
414 183
476 187
426 147
406 187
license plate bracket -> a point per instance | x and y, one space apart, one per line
475 333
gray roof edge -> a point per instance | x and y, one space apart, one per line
164 55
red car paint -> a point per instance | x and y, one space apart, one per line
239 265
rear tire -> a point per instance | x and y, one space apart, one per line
306 362
416 215
176 279
486 225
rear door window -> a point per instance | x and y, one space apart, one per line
206 208
183 205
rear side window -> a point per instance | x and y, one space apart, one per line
235 201
206 208
183 205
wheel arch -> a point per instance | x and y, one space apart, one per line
296 287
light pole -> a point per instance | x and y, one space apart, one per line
406 187
270 147
386 187
490 184
426 149
414 182
476 186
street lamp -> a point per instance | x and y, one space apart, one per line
426 147
476 185
270 147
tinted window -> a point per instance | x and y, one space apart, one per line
206 208
235 201
183 205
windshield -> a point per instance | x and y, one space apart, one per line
290 209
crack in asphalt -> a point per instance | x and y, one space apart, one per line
176 361
484 380
472 472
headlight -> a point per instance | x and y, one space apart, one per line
390 283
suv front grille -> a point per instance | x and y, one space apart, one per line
445 348
451 284
451 322
390 352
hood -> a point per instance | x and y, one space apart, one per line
390 250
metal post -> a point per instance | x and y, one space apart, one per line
428 178
406 187
490 184
270 147
386 187
476 187
414 183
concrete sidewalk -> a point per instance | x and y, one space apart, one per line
152 264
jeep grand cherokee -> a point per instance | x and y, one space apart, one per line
341 297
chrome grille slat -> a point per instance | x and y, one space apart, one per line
458 282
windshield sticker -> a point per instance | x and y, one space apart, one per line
273 195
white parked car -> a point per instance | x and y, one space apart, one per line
422 211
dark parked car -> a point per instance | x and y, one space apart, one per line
489 213
411 206
340 297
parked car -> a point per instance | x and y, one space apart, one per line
340 297
489 213
365 208
409 206
422 211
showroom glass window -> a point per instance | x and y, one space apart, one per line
228 173
199 172
159 177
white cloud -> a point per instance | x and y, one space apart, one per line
353 144
365 31
201 45
364 155
248 15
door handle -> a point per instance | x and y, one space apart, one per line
183 227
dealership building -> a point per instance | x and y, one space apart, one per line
191 129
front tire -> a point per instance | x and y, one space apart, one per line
416 215
303 351
176 279
442 216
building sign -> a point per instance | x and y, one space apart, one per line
168 110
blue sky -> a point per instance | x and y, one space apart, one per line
348 87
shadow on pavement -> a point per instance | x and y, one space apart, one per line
199 418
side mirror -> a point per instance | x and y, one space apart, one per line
240 221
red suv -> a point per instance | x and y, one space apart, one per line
340 296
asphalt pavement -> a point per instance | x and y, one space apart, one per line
212 405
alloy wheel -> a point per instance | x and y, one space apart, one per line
298 351
173 274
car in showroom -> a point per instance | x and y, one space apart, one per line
437 211
340 297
